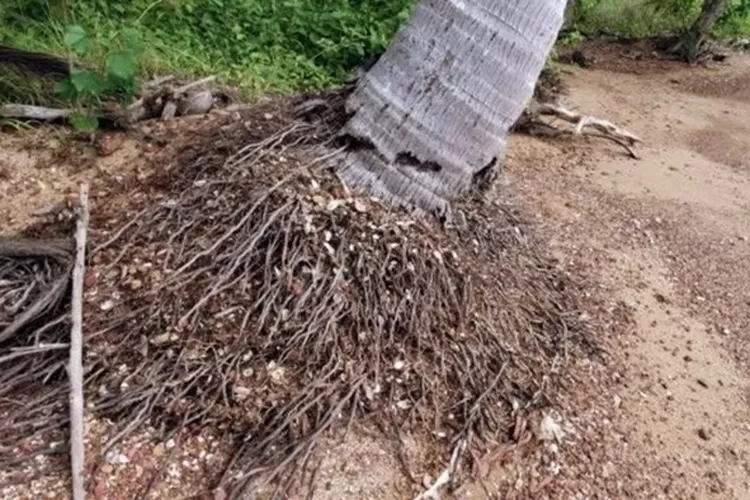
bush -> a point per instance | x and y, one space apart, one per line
257 44
655 17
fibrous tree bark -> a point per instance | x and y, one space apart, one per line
38 63
690 45
430 118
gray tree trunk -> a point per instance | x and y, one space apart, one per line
432 115
693 39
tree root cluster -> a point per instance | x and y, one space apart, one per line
249 291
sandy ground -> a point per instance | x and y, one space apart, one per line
669 236
665 415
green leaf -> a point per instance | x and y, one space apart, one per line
132 39
87 83
121 64
76 39
65 89
83 123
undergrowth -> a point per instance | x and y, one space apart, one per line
256 45
291 45
640 18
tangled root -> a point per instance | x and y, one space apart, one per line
250 291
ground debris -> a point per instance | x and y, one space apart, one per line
273 304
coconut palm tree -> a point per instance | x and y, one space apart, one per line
430 118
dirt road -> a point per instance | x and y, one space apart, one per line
670 236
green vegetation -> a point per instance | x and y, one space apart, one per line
255 44
280 45
638 18
87 88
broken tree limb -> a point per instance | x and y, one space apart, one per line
531 122
581 121
28 112
159 81
167 102
75 366
184 88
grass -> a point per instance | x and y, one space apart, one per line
256 45
285 45
640 18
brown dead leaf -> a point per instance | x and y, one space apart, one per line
106 144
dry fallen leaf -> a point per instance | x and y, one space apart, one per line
550 430
319 200
334 204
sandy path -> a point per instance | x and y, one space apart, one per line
670 233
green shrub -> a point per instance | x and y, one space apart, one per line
257 44
655 17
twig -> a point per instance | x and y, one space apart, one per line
445 477
25 351
29 112
197 83
75 367
159 81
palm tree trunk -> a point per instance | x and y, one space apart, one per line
694 38
432 115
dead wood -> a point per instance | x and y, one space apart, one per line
33 278
531 122
38 63
75 363
28 112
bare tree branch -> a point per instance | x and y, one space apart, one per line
75 367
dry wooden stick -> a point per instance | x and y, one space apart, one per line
531 123
582 121
28 112
433 493
75 367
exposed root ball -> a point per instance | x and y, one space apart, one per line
254 293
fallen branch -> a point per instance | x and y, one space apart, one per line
530 122
75 366
184 88
582 121
166 102
28 112
159 81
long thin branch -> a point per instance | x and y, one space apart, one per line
75 368
433 492
29 112
192 85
